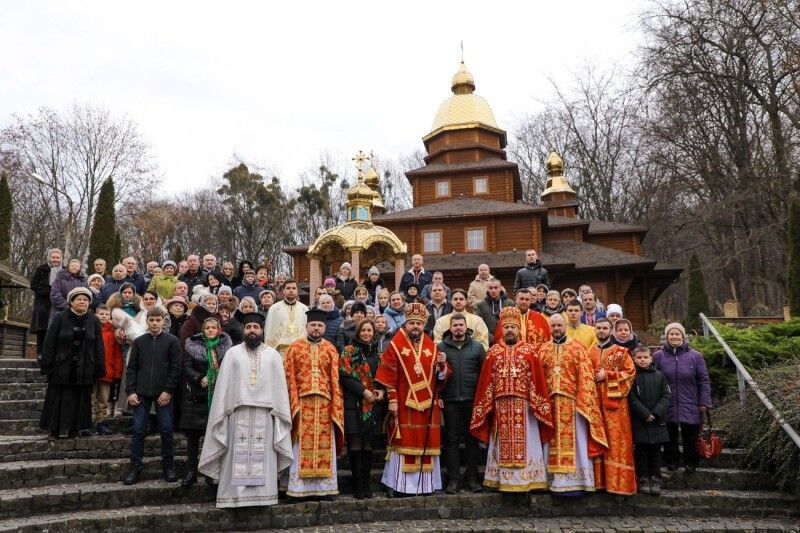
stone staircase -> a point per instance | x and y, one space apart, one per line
73 484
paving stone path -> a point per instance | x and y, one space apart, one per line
73 485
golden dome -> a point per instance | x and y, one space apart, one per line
464 109
360 235
371 178
360 193
556 182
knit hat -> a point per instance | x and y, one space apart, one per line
224 288
167 263
614 308
373 270
94 276
78 291
346 265
675 325
329 282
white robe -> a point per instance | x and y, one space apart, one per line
248 437
582 479
279 331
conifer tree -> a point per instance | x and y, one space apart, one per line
698 298
5 218
793 236
177 253
117 247
101 241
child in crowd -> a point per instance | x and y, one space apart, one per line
101 407
541 297
648 402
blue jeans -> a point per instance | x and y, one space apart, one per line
141 424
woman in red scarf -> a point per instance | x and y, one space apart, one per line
364 405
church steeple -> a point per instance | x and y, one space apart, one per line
557 191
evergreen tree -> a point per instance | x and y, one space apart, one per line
5 218
101 241
793 236
117 248
698 298
177 253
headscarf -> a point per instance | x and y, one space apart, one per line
211 352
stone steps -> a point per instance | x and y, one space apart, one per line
21 409
22 391
17 362
22 375
30 426
346 510
39 447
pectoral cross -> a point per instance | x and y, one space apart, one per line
253 378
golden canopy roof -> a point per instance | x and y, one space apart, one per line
464 109
556 182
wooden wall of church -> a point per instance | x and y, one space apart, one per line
501 187
624 242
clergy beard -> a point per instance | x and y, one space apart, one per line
252 341
559 339
509 340
415 336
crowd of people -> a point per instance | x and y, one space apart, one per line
554 385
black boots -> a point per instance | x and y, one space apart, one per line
103 429
170 475
132 476
366 469
190 478
357 474
452 458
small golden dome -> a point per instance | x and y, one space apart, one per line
371 178
556 181
463 81
359 193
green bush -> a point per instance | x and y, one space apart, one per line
756 348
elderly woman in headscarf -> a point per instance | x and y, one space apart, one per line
73 357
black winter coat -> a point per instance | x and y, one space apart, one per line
73 352
346 286
194 398
466 362
431 322
235 330
650 394
40 285
194 323
531 276
154 365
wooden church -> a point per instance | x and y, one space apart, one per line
467 211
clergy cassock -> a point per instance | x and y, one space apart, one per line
582 333
248 436
534 329
480 333
317 406
512 414
285 324
408 371
614 470
579 434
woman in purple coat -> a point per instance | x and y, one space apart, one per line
66 280
686 373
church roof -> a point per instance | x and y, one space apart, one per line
459 207
449 168
595 226
464 109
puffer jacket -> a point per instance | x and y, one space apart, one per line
466 362
164 285
395 318
650 395
531 276
64 282
687 375
245 289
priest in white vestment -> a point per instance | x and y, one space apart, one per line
248 438
286 320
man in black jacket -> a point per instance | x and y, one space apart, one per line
153 374
532 274
437 307
465 357
489 308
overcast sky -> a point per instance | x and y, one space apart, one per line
277 83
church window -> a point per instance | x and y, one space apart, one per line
442 188
480 185
476 239
432 242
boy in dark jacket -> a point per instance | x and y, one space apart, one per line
153 375
648 402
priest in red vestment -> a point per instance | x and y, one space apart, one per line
413 371
534 328
512 411
614 374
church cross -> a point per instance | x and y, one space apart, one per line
360 158
242 438
514 372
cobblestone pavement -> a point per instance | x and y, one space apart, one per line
598 524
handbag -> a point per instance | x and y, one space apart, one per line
710 446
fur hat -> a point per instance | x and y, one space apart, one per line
614 308
675 325
78 291
416 311
168 262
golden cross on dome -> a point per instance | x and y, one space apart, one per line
360 158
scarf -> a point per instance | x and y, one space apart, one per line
355 364
211 373
54 273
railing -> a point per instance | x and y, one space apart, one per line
744 379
